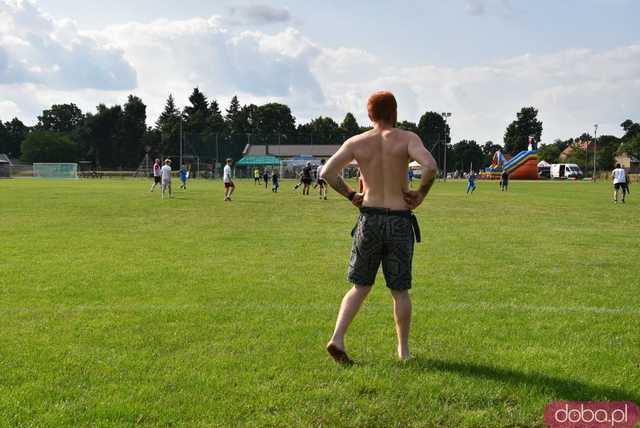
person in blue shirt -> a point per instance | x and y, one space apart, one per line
184 175
471 182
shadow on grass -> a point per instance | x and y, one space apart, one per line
565 389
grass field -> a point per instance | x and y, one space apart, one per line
117 308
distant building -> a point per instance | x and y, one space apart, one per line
5 166
628 162
582 145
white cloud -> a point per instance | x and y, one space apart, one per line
35 48
572 89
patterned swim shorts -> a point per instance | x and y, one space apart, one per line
383 237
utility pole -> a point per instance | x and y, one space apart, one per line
180 166
445 116
595 144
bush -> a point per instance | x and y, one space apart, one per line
46 146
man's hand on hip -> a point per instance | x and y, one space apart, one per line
413 198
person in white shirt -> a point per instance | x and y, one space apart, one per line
229 187
619 182
165 174
156 174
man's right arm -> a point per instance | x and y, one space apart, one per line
429 168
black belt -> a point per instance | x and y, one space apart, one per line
396 213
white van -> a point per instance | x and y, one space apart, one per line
566 170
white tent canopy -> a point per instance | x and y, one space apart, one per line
543 163
414 164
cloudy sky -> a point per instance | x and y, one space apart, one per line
577 61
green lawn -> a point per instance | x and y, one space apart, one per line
117 308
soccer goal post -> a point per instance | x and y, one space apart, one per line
55 170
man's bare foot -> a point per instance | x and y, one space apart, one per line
339 354
404 354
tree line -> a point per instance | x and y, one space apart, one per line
118 136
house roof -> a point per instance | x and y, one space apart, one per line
291 150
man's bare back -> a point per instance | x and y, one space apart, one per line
383 156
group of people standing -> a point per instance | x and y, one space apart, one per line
306 178
264 176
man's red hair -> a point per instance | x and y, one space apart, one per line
382 107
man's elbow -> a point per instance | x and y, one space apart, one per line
430 170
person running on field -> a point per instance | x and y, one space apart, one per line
306 178
471 182
275 178
619 181
386 228
256 176
229 187
504 181
265 177
165 174
156 174
184 176
322 183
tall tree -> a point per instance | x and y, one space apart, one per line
274 118
216 121
435 134
234 117
516 137
467 155
60 118
103 131
132 130
197 114
15 133
321 130
168 124
349 126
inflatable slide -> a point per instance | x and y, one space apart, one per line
523 166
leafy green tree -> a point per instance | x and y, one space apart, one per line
433 130
197 114
234 119
168 124
60 118
321 130
467 155
47 146
408 126
435 134
216 121
103 132
349 126
14 133
607 147
549 153
631 139
516 137
275 118
132 129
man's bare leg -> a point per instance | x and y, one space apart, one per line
402 316
349 307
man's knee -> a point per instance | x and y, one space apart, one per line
362 290
400 294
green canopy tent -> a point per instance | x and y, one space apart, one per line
247 163
259 161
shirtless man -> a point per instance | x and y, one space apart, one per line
385 229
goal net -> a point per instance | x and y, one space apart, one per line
55 170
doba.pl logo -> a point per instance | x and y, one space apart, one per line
592 414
